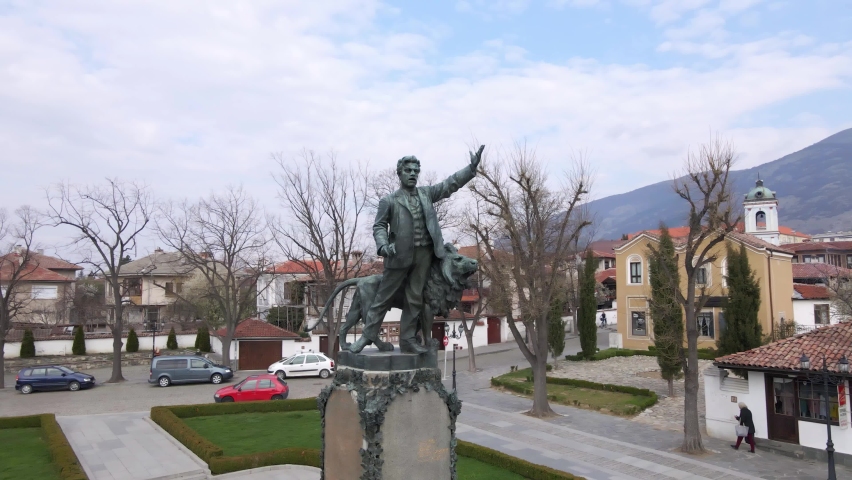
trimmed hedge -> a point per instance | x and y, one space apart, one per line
527 388
609 353
168 421
169 418
60 450
283 456
207 409
510 463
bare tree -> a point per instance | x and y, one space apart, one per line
528 230
480 307
321 234
108 219
225 240
16 263
706 188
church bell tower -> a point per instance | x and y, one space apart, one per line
761 214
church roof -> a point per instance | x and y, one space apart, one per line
759 193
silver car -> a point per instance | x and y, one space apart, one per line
169 369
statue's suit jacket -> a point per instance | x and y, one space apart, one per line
394 223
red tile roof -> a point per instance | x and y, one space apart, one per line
819 270
818 246
31 273
812 292
680 234
605 274
832 341
254 328
294 267
53 263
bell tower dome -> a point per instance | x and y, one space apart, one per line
761 213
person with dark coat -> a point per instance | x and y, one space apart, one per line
745 419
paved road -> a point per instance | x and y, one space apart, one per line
134 395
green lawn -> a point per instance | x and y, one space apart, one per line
618 403
243 433
24 455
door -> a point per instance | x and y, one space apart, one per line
494 330
265 389
311 365
295 366
259 354
323 346
55 379
199 370
179 368
781 409
438 334
248 391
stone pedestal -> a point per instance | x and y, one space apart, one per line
388 424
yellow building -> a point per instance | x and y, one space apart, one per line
772 266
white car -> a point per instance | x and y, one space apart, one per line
303 365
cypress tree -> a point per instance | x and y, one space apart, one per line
28 344
556 331
743 331
202 340
132 342
666 313
79 345
171 342
588 308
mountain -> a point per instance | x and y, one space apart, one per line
814 188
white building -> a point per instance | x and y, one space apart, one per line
787 406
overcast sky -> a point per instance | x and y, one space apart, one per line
190 96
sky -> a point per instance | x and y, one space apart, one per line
192 96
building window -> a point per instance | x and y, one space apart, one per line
467 307
635 264
152 319
133 287
705 325
44 292
821 314
784 396
638 325
760 218
812 401
701 276
848 261
173 288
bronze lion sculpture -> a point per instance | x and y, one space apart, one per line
442 293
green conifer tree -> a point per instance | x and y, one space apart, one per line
666 313
132 342
556 331
742 329
171 342
588 308
79 345
28 345
202 340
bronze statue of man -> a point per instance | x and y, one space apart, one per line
408 236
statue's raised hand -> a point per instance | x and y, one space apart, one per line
475 158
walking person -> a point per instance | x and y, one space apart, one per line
746 420
603 319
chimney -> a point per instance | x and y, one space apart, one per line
206 255
40 251
158 250
19 249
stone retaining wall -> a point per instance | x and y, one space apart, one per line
87 362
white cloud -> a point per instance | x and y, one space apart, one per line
190 97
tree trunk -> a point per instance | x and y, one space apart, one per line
691 428
116 351
671 387
2 362
226 348
541 407
471 358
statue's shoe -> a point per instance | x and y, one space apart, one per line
384 346
359 344
411 346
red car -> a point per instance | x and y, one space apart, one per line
254 387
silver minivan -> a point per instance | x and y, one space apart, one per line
169 369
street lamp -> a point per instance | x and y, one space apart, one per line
826 379
454 335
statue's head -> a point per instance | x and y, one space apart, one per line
408 170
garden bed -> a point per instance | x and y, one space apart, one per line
606 398
34 447
239 436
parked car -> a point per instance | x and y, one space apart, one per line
254 388
52 377
303 365
169 369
